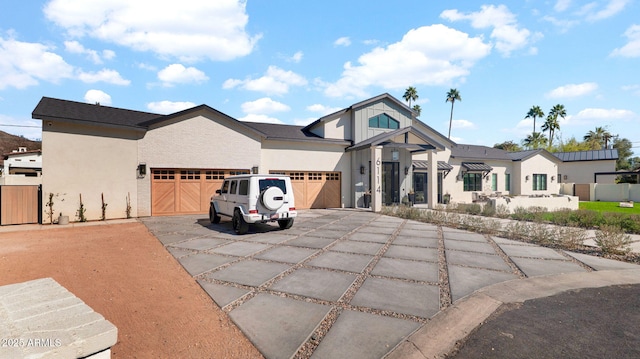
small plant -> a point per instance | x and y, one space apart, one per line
49 212
104 208
570 238
81 211
502 211
128 210
612 240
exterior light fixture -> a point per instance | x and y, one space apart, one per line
406 170
141 170
254 169
361 170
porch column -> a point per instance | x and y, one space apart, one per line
376 178
432 181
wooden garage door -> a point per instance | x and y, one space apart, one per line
315 189
185 191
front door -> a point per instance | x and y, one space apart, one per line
420 186
390 182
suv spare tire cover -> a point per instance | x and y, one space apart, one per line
272 198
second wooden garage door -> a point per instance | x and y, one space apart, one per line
315 189
185 191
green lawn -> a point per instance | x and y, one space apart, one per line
609 207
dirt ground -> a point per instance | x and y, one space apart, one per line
125 274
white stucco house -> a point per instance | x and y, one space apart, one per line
371 153
582 166
22 167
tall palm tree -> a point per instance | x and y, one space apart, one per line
534 141
552 123
410 94
534 112
452 96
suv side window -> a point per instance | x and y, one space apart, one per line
234 187
225 187
244 188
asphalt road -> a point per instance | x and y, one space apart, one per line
589 323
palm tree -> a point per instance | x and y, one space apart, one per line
534 141
598 138
534 112
417 109
410 94
452 96
552 123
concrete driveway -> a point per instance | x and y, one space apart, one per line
348 283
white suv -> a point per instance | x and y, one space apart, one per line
254 199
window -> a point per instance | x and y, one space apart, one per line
225 187
190 175
507 181
234 187
472 182
539 182
494 181
383 121
244 188
163 175
214 175
272 182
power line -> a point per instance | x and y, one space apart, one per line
2 124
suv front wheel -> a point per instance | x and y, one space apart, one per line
240 226
213 215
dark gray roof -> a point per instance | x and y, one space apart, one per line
289 132
56 109
479 152
383 138
477 166
442 165
595 155
520 155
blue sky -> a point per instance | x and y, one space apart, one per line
295 61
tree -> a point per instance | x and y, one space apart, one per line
598 139
417 109
552 124
535 141
410 94
534 112
572 145
509 146
623 146
452 96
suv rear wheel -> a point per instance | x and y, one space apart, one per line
239 224
285 223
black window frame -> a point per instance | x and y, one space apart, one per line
468 186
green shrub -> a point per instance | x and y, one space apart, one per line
502 211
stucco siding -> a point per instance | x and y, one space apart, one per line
538 165
583 171
196 143
82 160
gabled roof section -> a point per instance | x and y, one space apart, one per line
290 133
442 138
386 139
63 110
479 152
358 105
525 155
595 155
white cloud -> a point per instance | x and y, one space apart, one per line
562 5
275 81
263 106
506 31
343 41
168 107
104 75
194 31
463 124
260 118
303 121
322 109
635 89
632 48
611 8
429 55
178 74
97 96
297 57
75 47
598 115
572 90
24 64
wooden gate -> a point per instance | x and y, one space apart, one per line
20 205
583 191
